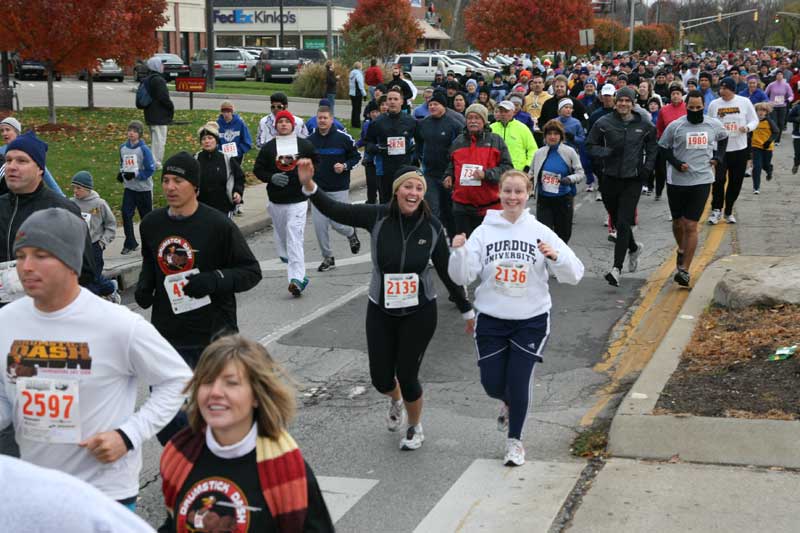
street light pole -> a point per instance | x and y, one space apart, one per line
633 13
281 22
210 44
330 29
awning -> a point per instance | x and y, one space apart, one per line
430 32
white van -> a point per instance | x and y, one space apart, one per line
422 66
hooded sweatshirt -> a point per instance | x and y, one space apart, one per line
99 217
142 161
498 244
235 131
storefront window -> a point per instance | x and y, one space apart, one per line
290 41
229 40
261 40
315 42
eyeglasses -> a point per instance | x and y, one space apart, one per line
279 107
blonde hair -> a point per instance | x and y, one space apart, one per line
766 106
508 174
273 390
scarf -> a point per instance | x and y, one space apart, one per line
281 473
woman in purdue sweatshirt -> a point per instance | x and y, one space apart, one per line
513 255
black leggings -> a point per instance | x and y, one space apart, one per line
396 345
372 183
733 167
658 178
620 197
556 212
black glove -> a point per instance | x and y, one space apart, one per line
201 284
143 298
128 175
767 146
279 179
565 180
119 177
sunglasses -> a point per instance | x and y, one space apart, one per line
279 107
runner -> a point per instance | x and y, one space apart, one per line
477 158
763 143
221 177
275 165
675 109
693 145
556 169
194 260
513 300
236 467
739 117
625 142
401 313
518 137
74 365
267 125
337 156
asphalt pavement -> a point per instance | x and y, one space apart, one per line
456 482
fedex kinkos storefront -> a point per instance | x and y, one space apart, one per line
305 23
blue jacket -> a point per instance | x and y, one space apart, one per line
421 111
235 131
335 147
575 134
525 118
708 97
46 177
757 96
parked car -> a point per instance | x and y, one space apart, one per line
422 66
313 55
278 64
173 66
252 60
229 63
107 69
30 69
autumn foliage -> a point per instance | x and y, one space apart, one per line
653 37
381 29
610 35
524 26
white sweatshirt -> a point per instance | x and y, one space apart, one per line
108 350
734 113
497 245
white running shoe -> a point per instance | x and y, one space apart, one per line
502 419
397 415
715 217
515 453
598 197
730 219
413 439
633 258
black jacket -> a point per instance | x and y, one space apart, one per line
434 137
391 125
335 147
625 149
214 180
550 111
161 110
265 167
16 208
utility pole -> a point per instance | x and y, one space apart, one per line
633 13
658 12
210 43
330 29
280 43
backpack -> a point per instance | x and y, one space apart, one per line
143 98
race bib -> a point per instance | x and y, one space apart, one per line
181 303
732 127
230 149
467 177
550 182
511 278
697 140
130 164
400 290
396 145
780 99
87 217
48 410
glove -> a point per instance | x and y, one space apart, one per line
767 146
119 177
279 179
565 180
128 175
143 298
202 284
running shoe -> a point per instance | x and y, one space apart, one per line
755 191
645 190
633 257
328 263
747 174
126 251
769 175
296 287
355 244
794 168
715 217
612 236
657 198
682 277
413 439
284 260
590 188
598 197
502 419
237 211
612 277
515 453
730 219
397 415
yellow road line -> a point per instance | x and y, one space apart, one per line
661 302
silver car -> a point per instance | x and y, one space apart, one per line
229 63
107 69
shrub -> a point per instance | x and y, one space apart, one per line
310 83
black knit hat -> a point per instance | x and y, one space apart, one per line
183 165
439 97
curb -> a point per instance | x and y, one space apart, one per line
256 97
637 433
127 274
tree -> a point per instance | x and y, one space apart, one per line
520 26
653 37
609 35
391 25
69 35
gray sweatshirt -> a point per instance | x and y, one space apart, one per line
102 224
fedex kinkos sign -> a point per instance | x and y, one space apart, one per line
240 16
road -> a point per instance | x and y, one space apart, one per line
370 485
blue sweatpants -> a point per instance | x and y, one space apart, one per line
507 353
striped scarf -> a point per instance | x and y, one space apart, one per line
281 473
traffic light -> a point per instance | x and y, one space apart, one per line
777 19
755 16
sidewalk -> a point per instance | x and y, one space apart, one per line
125 268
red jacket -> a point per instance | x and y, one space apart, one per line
795 89
373 76
488 150
668 114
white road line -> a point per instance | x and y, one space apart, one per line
109 87
313 316
483 497
342 493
